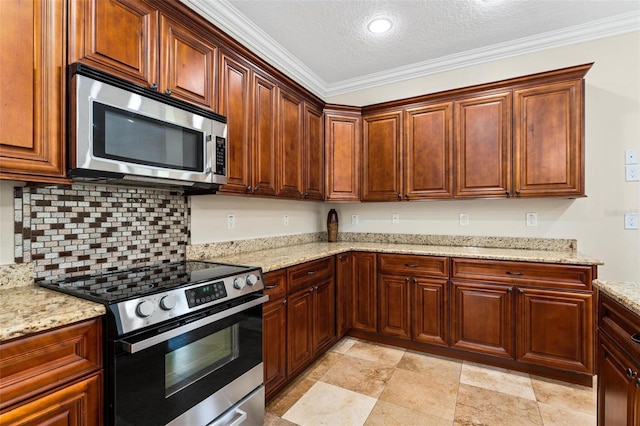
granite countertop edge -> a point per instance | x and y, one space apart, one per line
627 293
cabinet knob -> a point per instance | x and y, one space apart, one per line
284 302
406 196
518 193
399 197
508 193
311 290
255 188
638 383
406 280
154 86
635 337
249 188
167 92
630 373
415 280
509 290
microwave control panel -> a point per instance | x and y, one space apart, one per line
221 156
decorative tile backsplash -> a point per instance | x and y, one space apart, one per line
80 229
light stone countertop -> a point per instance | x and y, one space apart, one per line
282 257
627 293
30 309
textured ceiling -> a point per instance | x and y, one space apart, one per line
326 46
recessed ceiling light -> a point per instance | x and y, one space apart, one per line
379 25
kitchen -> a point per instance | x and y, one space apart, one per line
596 222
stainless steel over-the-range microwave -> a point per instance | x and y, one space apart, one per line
120 132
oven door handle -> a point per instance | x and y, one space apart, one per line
133 347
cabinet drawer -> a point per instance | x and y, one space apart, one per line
413 265
619 323
275 283
40 362
524 273
301 276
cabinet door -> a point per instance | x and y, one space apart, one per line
382 157
342 139
482 145
274 346
117 36
394 296
324 325
482 318
264 135
236 106
541 341
365 297
548 140
32 93
75 404
617 392
289 145
428 152
344 293
430 311
313 155
187 64
299 330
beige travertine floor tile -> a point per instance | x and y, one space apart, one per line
558 416
343 345
497 379
359 375
316 370
382 354
430 365
273 420
478 406
435 396
388 414
566 395
289 396
325 404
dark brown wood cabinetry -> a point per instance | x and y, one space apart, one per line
618 364
32 64
342 146
53 377
274 332
264 131
290 149
344 293
313 154
365 294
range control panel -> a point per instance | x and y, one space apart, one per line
206 293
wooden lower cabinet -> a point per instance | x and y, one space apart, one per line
300 329
365 298
430 311
344 293
274 353
395 305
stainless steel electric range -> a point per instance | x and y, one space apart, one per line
183 343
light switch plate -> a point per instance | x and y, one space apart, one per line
532 219
464 219
355 219
231 221
632 172
285 219
395 218
631 221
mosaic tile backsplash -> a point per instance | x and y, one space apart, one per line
80 229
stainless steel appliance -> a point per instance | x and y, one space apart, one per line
124 133
183 343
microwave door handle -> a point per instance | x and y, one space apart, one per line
133 347
208 154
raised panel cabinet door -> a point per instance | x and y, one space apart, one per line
344 293
32 93
428 152
313 154
382 157
482 145
549 140
343 140
263 125
290 150
116 36
617 392
430 311
187 64
235 104
365 295
555 329
299 330
482 318
324 324
394 296
274 344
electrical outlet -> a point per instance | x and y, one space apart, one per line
464 219
532 219
631 156
231 221
395 218
631 221
632 172
355 219
285 219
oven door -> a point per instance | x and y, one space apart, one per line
191 371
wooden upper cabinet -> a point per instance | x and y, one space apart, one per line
32 93
263 121
548 140
235 104
382 157
187 64
428 152
342 159
290 150
313 154
483 145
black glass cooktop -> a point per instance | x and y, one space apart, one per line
126 284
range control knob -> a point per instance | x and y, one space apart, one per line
168 302
252 280
144 309
239 283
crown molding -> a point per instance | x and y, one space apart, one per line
226 17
